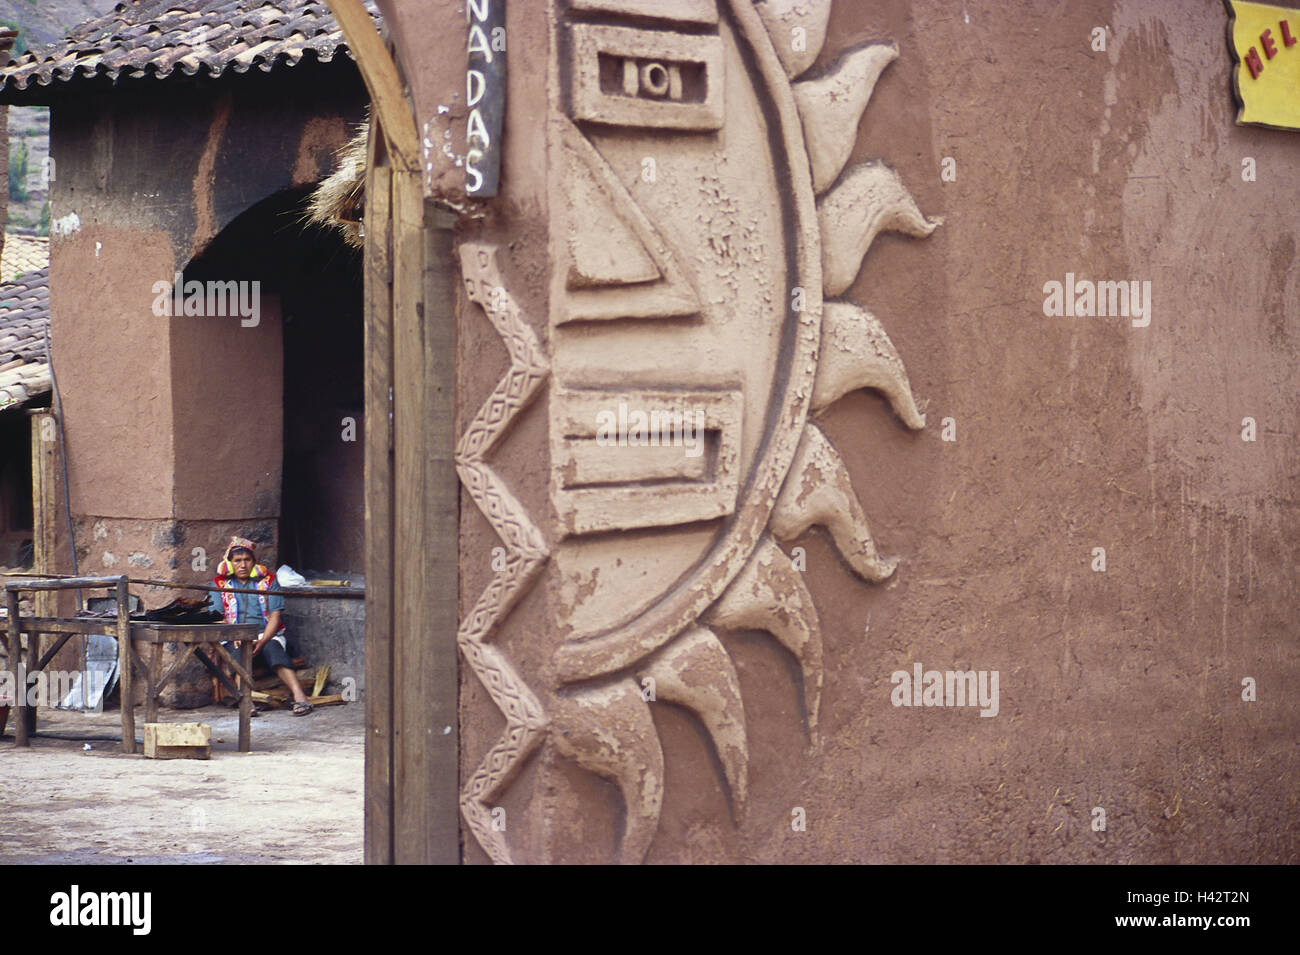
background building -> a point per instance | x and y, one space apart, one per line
187 143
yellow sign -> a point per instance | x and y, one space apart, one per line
1265 41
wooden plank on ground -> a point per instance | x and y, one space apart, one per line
334 699
177 740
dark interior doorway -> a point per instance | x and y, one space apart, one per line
15 490
318 279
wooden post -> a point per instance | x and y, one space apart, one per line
426 823
33 667
440 690
412 492
246 696
16 665
151 683
411 593
44 507
45 515
379 505
125 668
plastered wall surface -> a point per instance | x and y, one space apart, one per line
173 422
1143 688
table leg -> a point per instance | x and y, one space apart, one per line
246 696
16 665
33 668
151 691
125 668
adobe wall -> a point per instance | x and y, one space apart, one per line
147 175
1044 438
331 631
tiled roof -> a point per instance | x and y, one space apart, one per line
159 37
23 253
24 321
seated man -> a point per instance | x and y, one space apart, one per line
241 600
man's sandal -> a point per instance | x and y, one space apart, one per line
301 708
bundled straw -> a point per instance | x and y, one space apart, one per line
339 202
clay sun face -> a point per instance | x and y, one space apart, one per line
715 298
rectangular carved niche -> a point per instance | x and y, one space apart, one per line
629 459
625 76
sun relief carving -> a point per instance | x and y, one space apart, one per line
689 344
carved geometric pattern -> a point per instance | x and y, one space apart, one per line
609 486
525 547
793 478
789 251
626 76
690 263
606 221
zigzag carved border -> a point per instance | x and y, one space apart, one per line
526 549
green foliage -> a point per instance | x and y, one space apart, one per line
43 227
20 41
18 172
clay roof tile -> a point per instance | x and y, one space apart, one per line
153 37
24 320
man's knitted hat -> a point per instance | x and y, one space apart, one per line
226 568
240 543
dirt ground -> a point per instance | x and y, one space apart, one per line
296 798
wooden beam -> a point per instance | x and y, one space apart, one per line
69 625
379 505
61 583
441 703
329 592
219 674
158 681
411 602
426 827
387 91
59 639
44 508
412 492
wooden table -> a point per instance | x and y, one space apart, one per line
192 637
189 636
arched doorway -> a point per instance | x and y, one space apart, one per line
295 401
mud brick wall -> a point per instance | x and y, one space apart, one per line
330 631
1094 504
